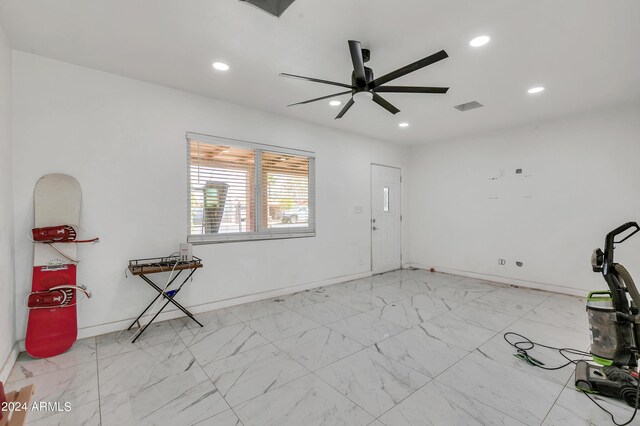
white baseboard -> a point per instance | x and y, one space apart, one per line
97 330
9 362
506 280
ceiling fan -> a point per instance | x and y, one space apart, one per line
364 86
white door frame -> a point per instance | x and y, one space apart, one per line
371 210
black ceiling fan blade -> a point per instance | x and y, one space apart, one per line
345 109
358 61
316 80
409 68
385 104
410 89
321 98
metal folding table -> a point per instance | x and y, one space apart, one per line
144 267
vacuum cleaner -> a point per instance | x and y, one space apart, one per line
614 326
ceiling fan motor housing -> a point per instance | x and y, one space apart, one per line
358 87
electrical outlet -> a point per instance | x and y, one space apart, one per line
502 262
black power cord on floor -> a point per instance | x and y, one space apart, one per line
525 345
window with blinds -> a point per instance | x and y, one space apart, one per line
246 191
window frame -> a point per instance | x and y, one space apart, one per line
261 233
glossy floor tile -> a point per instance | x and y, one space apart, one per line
503 305
438 404
408 347
226 418
304 298
255 310
83 415
408 312
251 373
525 295
82 352
566 310
119 342
307 401
429 304
327 312
142 367
456 332
481 317
211 321
421 352
418 284
77 385
366 329
318 347
210 346
362 301
184 398
390 293
460 295
281 325
372 380
514 392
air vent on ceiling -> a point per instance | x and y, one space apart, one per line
272 7
468 106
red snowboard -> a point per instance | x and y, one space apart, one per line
53 330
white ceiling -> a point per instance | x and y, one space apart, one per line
583 51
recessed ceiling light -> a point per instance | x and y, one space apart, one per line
221 66
404 124
335 103
480 41
536 89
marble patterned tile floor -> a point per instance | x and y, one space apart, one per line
408 347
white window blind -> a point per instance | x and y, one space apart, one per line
246 191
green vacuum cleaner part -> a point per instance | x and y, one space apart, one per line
602 361
599 296
529 359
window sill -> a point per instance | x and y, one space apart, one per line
235 238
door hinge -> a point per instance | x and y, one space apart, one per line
400 218
400 179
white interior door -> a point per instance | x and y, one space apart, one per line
385 219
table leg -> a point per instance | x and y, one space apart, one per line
169 300
160 293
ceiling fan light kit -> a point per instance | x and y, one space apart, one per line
363 96
364 87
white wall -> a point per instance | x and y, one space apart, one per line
124 140
581 178
7 283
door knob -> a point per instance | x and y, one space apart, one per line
374 228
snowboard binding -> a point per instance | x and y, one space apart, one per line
58 234
56 297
